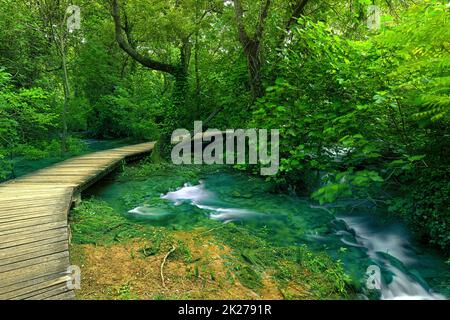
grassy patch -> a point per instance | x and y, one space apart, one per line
94 222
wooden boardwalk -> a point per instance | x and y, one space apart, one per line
34 233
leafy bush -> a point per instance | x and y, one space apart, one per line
425 204
118 115
26 118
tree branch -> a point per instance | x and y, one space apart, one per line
262 18
127 47
296 13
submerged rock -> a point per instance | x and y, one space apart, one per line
156 214
237 194
233 214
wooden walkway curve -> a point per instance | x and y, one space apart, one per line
34 233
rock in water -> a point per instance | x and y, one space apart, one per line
233 214
156 214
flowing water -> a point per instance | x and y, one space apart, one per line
391 248
361 239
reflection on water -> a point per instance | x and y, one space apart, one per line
359 240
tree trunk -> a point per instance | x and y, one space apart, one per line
252 46
66 98
252 53
181 79
180 87
197 78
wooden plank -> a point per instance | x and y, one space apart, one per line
33 261
21 252
78 166
31 286
19 240
19 191
24 246
66 175
42 290
45 205
35 228
85 169
21 217
91 161
66 167
18 202
69 173
63 296
34 252
48 293
32 272
37 184
16 185
31 222
35 231
62 181
14 197
81 166
101 158
29 211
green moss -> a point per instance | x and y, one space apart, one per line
255 256
94 222
249 277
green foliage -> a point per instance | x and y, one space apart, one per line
359 118
124 292
319 102
118 116
26 119
424 203
419 51
347 184
23 49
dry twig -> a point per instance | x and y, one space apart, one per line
162 265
